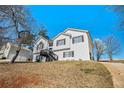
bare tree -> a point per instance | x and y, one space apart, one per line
15 19
99 47
119 10
3 39
43 32
112 46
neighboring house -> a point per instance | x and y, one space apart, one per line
9 50
72 44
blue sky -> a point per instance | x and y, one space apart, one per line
98 20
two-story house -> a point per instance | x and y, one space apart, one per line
72 44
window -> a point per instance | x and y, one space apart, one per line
38 58
77 39
60 42
68 54
40 46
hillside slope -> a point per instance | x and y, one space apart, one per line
55 74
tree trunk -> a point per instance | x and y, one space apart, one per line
16 55
98 57
110 57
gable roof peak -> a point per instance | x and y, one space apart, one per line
74 29
41 37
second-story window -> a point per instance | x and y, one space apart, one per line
77 39
60 42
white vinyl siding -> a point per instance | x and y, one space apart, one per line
60 42
77 39
68 54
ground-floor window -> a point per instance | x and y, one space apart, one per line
68 54
38 58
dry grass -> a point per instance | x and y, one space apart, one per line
113 61
118 61
55 74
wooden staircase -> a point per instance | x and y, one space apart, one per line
49 54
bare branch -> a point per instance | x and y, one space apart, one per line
112 46
100 48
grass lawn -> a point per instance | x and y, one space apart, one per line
55 74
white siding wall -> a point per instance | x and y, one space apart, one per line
81 50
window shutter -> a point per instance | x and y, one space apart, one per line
57 43
37 47
73 40
72 53
63 54
82 38
64 41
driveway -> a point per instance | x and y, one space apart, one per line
117 72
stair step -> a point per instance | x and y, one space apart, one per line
49 54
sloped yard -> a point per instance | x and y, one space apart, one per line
55 74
